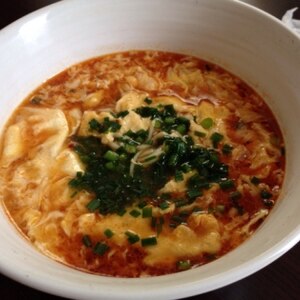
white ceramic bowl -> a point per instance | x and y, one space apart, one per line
244 40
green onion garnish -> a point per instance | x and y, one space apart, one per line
265 194
86 240
150 241
186 167
108 233
100 248
130 148
169 120
234 196
173 159
199 133
226 149
157 124
194 192
111 156
142 204
178 176
148 100
135 213
216 138
164 205
121 212
207 123
93 205
255 180
183 265
132 237
226 184
181 202
110 165
122 114
181 128
147 212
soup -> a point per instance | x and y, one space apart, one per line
141 163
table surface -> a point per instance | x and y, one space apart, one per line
279 280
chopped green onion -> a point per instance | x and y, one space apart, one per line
181 128
111 156
183 120
123 157
194 192
178 176
142 204
214 157
135 213
226 184
93 205
146 112
157 124
165 196
234 196
86 240
100 248
177 219
106 126
173 159
148 100
169 120
130 148
183 265
186 167
265 194
147 212
180 203
216 138
121 212
255 180
164 205
150 241
207 123
132 237
122 114
200 134
108 233
94 124
110 165
226 149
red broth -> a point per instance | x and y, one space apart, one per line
141 163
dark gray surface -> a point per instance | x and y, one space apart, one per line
275 7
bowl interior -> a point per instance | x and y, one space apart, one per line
242 39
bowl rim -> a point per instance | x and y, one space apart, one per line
245 269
